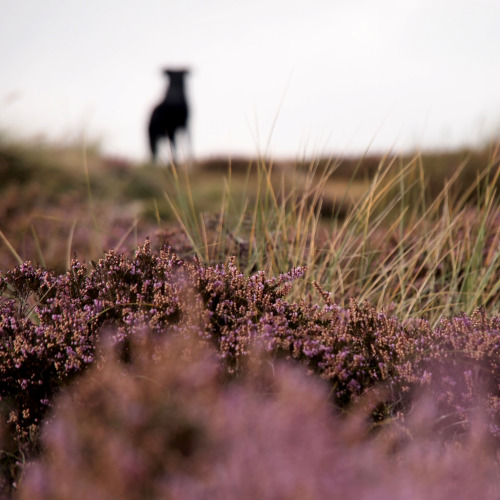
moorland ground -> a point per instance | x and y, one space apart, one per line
378 275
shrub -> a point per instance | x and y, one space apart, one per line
51 327
167 426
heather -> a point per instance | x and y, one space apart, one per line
292 331
55 326
165 427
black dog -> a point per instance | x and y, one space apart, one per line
171 114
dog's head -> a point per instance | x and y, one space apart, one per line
176 76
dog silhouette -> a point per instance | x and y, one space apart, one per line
170 115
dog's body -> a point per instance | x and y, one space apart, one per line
171 114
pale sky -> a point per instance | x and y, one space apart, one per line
268 76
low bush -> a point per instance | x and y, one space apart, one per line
53 328
167 425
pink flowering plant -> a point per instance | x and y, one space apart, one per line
52 327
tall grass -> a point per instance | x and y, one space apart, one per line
418 234
423 255
58 200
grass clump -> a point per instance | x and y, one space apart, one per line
396 244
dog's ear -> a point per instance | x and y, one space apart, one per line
173 72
